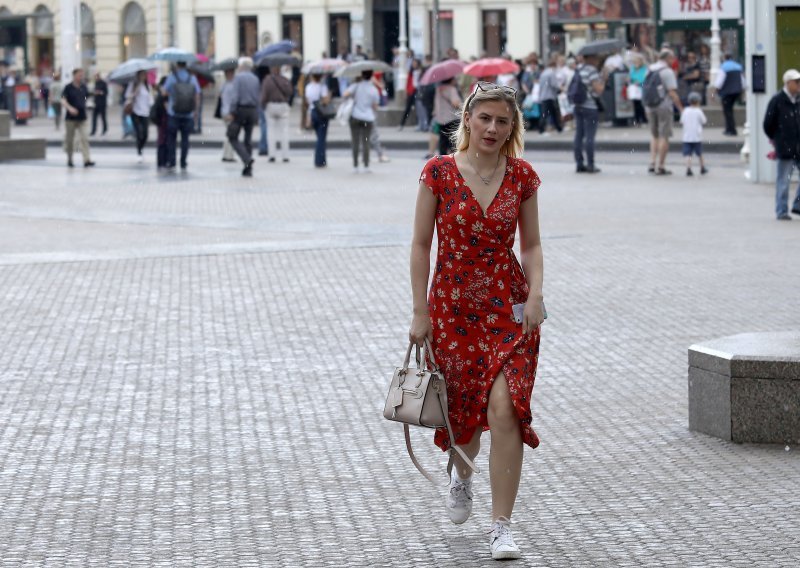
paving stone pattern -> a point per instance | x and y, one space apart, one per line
193 372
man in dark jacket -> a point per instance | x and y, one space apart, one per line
729 84
782 126
100 95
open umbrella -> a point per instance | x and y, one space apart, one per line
491 66
354 69
442 71
126 72
278 59
602 46
226 64
283 46
173 55
323 66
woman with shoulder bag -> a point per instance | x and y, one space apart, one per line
138 101
317 92
483 311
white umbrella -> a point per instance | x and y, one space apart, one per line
173 54
354 69
127 71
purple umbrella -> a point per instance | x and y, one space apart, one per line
283 46
442 71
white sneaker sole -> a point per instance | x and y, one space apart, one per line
458 516
506 554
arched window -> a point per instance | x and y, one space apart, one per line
42 22
134 32
88 41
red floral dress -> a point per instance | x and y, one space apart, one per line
476 281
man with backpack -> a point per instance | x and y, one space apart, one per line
183 91
586 85
659 93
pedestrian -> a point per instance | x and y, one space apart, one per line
74 98
586 85
487 357
412 82
375 135
263 138
548 96
729 85
693 118
183 92
245 98
446 104
659 94
782 126
365 102
138 101
225 113
160 117
276 92
56 90
100 96
636 76
316 93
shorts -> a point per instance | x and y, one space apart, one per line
690 148
436 128
660 119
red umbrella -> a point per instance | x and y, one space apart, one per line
491 66
442 71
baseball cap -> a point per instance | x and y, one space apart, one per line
791 75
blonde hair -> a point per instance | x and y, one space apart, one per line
512 147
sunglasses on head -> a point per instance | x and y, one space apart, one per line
486 86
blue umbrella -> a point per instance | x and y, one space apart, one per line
283 46
173 54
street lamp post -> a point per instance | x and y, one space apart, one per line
402 71
715 42
159 24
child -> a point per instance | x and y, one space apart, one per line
693 120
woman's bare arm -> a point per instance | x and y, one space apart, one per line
532 262
424 223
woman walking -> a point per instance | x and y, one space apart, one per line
365 103
475 198
637 74
138 101
445 105
317 93
56 88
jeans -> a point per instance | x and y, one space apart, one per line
422 114
727 109
244 119
585 132
320 125
101 112
183 125
263 148
360 132
550 112
785 168
141 125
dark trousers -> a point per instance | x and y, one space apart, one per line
183 125
245 118
585 133
409 105
320 124
445 131
360 131
550 113
639 116
141 125
101 112
727 110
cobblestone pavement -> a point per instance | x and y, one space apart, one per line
193 370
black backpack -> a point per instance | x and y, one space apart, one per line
577 92
157 111
183 100
653 89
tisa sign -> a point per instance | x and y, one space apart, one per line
700 9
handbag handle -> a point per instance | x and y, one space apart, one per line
422 362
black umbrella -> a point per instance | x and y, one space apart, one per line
226 64
202 69
602 46
278 59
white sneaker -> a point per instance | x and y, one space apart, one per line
502 543
459 499
356 170
140 159
366 171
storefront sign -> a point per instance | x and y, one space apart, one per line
599 10
700 9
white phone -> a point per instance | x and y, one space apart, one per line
518 309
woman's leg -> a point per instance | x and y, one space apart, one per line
355 139
471 449
367 133
505 457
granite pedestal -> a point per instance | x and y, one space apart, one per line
746 388
18 148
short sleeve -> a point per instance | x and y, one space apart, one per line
431 173
531 181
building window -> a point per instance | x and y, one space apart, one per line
134 32
204 34
340 34
494 32
248 35
445 40
293 29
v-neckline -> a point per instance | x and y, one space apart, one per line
485 212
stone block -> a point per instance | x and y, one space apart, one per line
22 149
746 388
5 124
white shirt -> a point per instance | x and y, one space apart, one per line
314 92
142 99
692 119
365 95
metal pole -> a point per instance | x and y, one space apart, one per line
715 42
545 31
67 38
402 72
435 51
159 24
